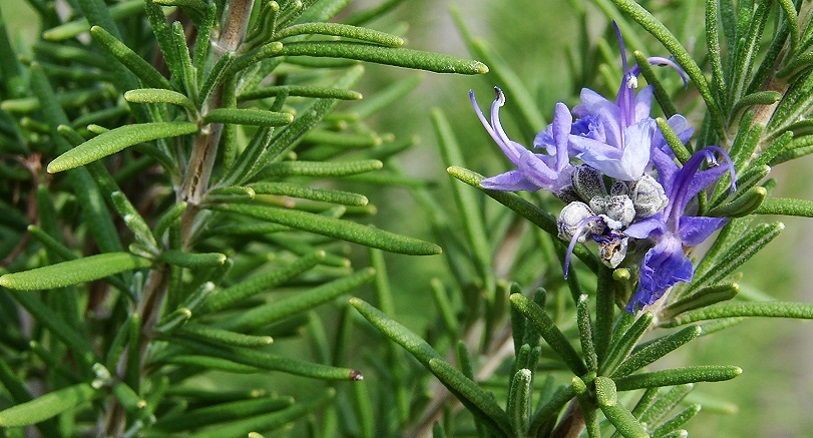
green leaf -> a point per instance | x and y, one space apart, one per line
341 30
251 117
655 350
73 271
743 205
664 403
678 420
472 396
337 228
681 152
550 409
300 91
320 169
299 191
222 413
218 336
142 69
115 140
678 376
586 333
267 361
247 288
192 260
624 343
47 406
270 421
757 98
767 309
786 206
400 57
253 57
520 400
703 297
285 307
160 95
549 331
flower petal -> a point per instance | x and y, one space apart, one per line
664 265
695 229
510 181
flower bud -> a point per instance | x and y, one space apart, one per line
588 182
572 220
648 197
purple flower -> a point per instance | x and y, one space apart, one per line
534 171
617 137
666 263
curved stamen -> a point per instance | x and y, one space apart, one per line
684 179
499 101
663 62
586 221
507 149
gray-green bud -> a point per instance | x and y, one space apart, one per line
588 182
648 196
571 220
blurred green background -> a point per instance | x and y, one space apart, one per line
774 396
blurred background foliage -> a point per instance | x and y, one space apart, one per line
773 397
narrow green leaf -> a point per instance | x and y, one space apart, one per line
285 307
47 406
51 244
520 401
655 350
192 260
681 151
768 309
321 169
341 30
660 93
743 205
622 345
73 271
222 413
247 117
300 91
299 191
665 403
218 336
160 95
116 140
757 98
337 228
703 297
263 282
68 99
444 307
678 420
212 363
786 207
400 57
678 376
253 57
142 69
586 333
472 396
550 332
551 408
267 361
270 421
627 425
738 253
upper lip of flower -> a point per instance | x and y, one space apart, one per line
537 170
